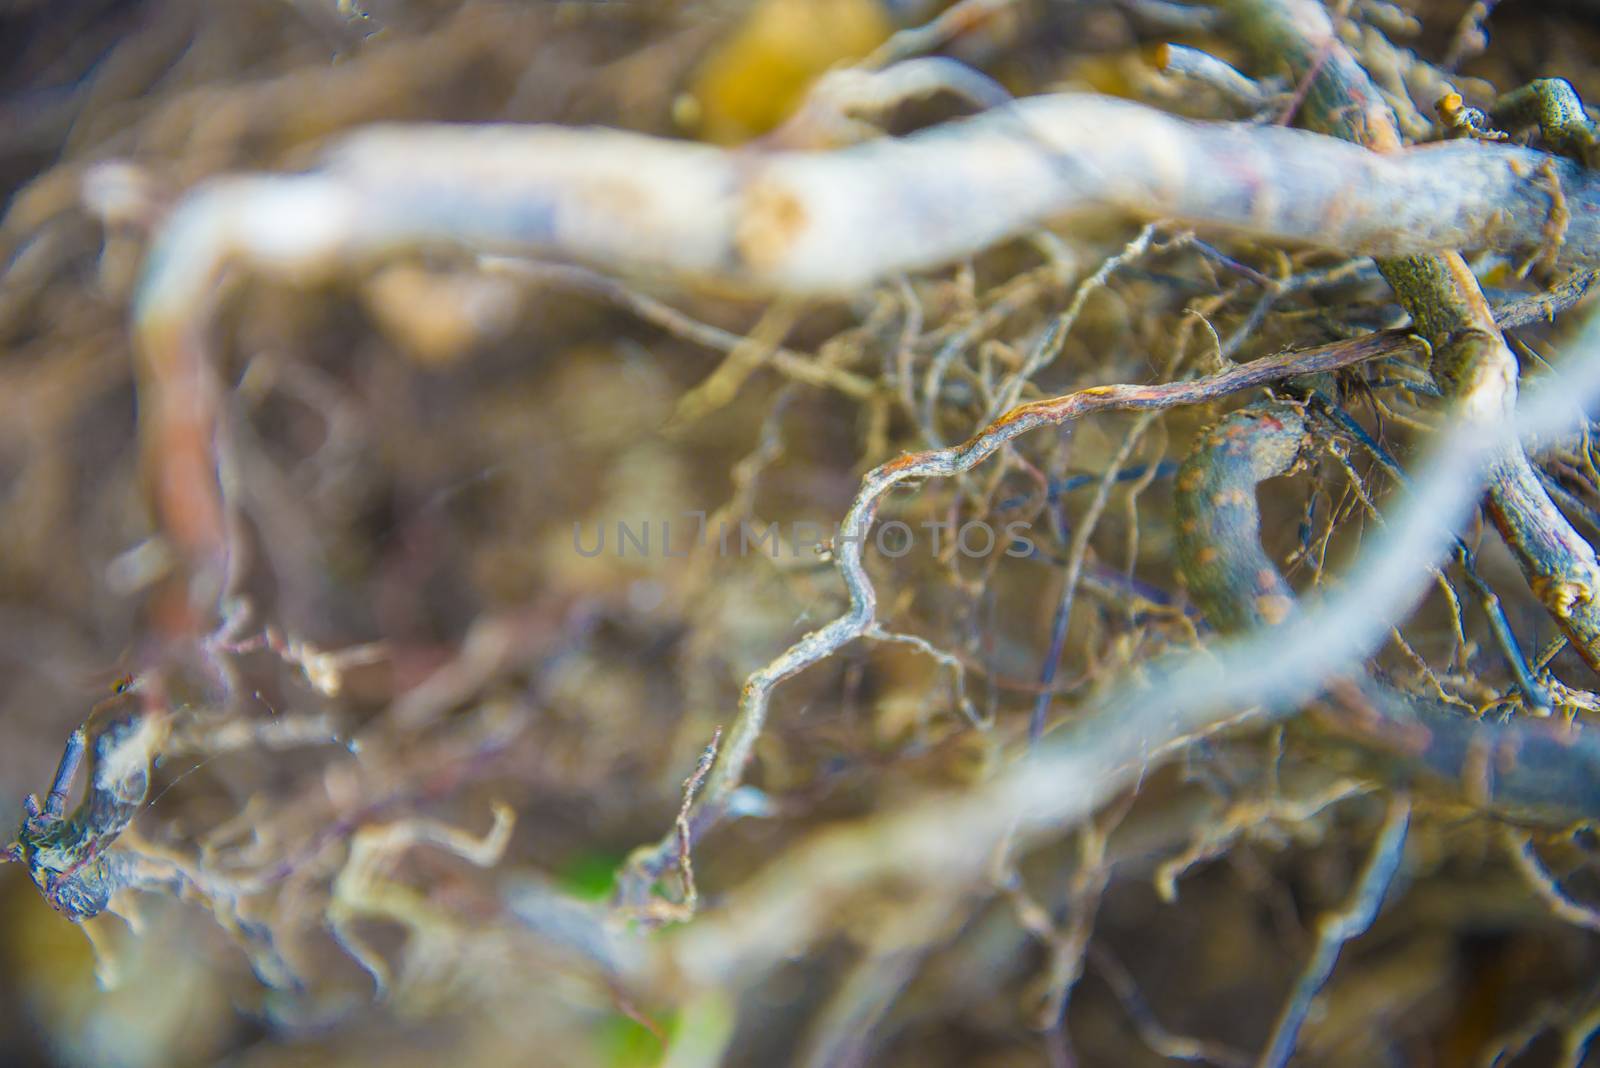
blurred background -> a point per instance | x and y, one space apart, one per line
420 449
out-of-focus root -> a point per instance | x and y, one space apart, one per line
364 890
